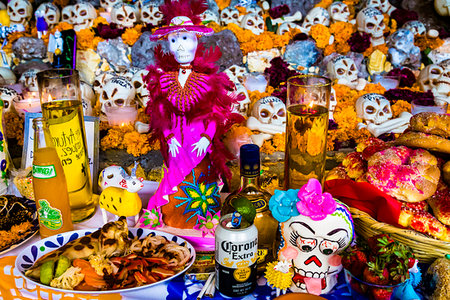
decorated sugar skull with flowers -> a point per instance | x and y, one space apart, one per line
315 228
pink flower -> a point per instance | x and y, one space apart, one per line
151 219
313 203
209 224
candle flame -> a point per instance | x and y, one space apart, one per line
50 99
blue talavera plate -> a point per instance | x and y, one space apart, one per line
31 232
29 255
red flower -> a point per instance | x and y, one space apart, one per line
359 42
279 11
402 16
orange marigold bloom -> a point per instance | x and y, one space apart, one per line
131 35
399 107
324 3
423 42
85 39
223 3
321 34
99 20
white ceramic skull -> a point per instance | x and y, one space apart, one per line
19 12
242 106
442 7
183 46
150 14
313 246
108 4
210 15
339 12
140 86
112 176
124 15
129 73
402 50
68 14
253 22
236 73
87 98
428 77
442 90
229 15
382 5
255 9
118 91
270 110
29 80
317 15
373 108
51 13
100 80
8 96
344 70
84 15
416 27
371 21
286 27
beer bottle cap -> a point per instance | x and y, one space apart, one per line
249 160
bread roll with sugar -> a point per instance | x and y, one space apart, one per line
424 140
403 173
432 123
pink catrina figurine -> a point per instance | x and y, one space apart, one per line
190 109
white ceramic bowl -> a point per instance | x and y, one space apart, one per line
30 254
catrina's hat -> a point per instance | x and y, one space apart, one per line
181 24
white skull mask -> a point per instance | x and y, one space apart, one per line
313 247
84 15
339 12
117 91
242 106
112 176
317 15
183 46
140 86
124 15
51 13
253 22
108 4
270 110
287 27
67 14
344 70
371 21
373 108
229 15
416 27
382 5
236 73
428 77
29 80
100 80
87 98
9 95
19 12
150 14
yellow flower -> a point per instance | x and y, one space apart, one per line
399 107
131 35
99 20
321 34
85 39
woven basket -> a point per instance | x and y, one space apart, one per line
426 249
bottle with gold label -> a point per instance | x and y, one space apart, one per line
250 189
49 184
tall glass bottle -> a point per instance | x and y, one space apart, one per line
49 184
250 188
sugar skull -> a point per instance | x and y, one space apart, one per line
317 15
51 13
373 108
183 46
415 26
140 85
29 80
19 12
344 70
9 95
68 14
108 4
242 106
253 22
84 14
270 110
287 27
124 15
117 91
402 50
315 228
371 21
236 73
382 5
339 12
228 15
150 14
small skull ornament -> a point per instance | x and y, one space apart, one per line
118 91
371 21
140 86
19 12
124 15
270 110
382 5
210 15
253 22
150 14
428 77
442 89
9 95
416 27
108 4
51 13
255 9
373 108
317 15
29 80
229 15
402 50
242 106
344 70
287 27
68 14
100 80
236 73
339 12
84 15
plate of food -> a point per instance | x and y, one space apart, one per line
111 259
18 222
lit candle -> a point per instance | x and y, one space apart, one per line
121 115
30 104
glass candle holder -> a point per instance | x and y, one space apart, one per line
418 106
121 115
29 104
60 94
308 101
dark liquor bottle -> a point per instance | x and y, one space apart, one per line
250 188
